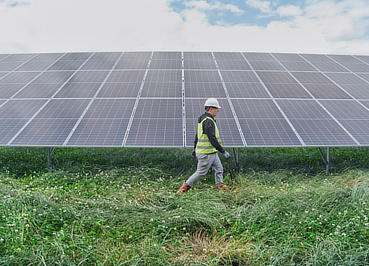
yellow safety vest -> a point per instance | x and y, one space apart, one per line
203 144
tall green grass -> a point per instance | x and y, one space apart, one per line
119 207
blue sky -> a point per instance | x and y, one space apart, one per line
302 26
233 12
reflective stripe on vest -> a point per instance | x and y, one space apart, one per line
203 144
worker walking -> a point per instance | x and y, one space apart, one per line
207 143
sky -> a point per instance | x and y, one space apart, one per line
300 26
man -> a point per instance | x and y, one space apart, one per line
207 143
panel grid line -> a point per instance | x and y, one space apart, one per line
322 106
91 102
136 103
42 72
230 104
280 109
360 60
30 120
184 123
355 74
151 99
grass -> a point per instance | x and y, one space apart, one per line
102 207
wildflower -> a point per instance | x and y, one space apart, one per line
1 240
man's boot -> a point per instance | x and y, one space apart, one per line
221 187
183 189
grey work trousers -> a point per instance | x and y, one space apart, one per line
205 161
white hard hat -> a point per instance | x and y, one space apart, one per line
212 102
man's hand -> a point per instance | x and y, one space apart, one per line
226 155
193 154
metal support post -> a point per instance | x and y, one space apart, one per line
326 159
49 153
236 159
141 156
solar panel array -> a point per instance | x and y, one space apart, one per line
153 99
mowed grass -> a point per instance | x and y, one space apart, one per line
119 207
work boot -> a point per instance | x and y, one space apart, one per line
183 189
221 187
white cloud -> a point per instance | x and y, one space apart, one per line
289 10
109 25
263 6
203 5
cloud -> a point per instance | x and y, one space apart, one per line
289 10
203 5
263 6
322 26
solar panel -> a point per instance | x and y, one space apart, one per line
134 60
12 62
294 62
84 84
363 58
39 63
231 61
166 60
364 76
72 61
122 84
263 61
20 109
283 85
153 99
263 124
157 122
101 61
45 85
314 125
351 63
104 124
324 63
320 86
12 83
198 60
163 83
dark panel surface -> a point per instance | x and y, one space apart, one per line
40 62
72 61
122 84
110 108
9 127
155 132
314 125
63 108
320 86
99 132
283 85
268 132
45 132
101 61
45 85
20 109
